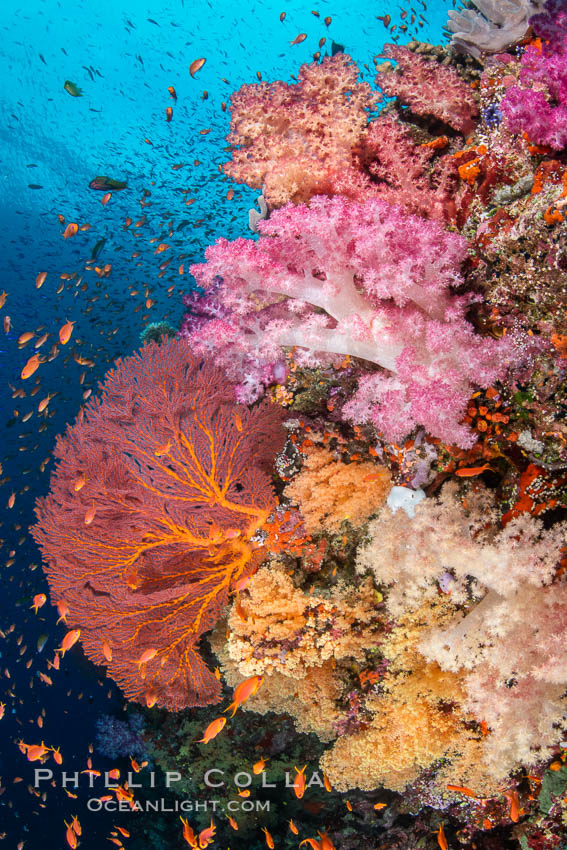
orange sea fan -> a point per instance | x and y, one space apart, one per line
160 487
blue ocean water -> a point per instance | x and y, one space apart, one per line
123 55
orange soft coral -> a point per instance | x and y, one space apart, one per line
330 492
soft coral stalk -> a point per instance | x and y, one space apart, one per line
365 280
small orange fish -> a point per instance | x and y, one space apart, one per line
243 692
11 500
172 92
42 340
168 113
150 697
25 337
72 840
106 650
57 755
65 332
469 472
7 324
259 767
299 782
269 839
326 783
38 600
206 835
35 752
514 812
31 366
313 843
188 834
69 640
379 806
62 610
299 38
212 730
462 789
76 825
230 195
441 840
114 773
79 482
293 827
40 280
196 65
90 515
233 822
244 792
162 450
282 17
105 198
326 843
327 21
70 230
3 296
146 656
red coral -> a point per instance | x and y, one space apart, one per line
429 88
160 487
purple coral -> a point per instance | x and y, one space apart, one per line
341 278
121 738
538 105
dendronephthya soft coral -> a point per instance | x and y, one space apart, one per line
340 278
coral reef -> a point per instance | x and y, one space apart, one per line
538 105
428 88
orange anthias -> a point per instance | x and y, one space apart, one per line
65 332
243 692
69 640
299 782
212 730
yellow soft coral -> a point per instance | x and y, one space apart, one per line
329 492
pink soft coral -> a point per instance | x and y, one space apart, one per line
366 280
403 172
538 106
295 140
429 88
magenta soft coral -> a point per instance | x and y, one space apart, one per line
341 278
538 105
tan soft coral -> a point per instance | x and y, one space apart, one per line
417 720
330 492
295 140
277 628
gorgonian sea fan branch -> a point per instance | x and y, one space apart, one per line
177 477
